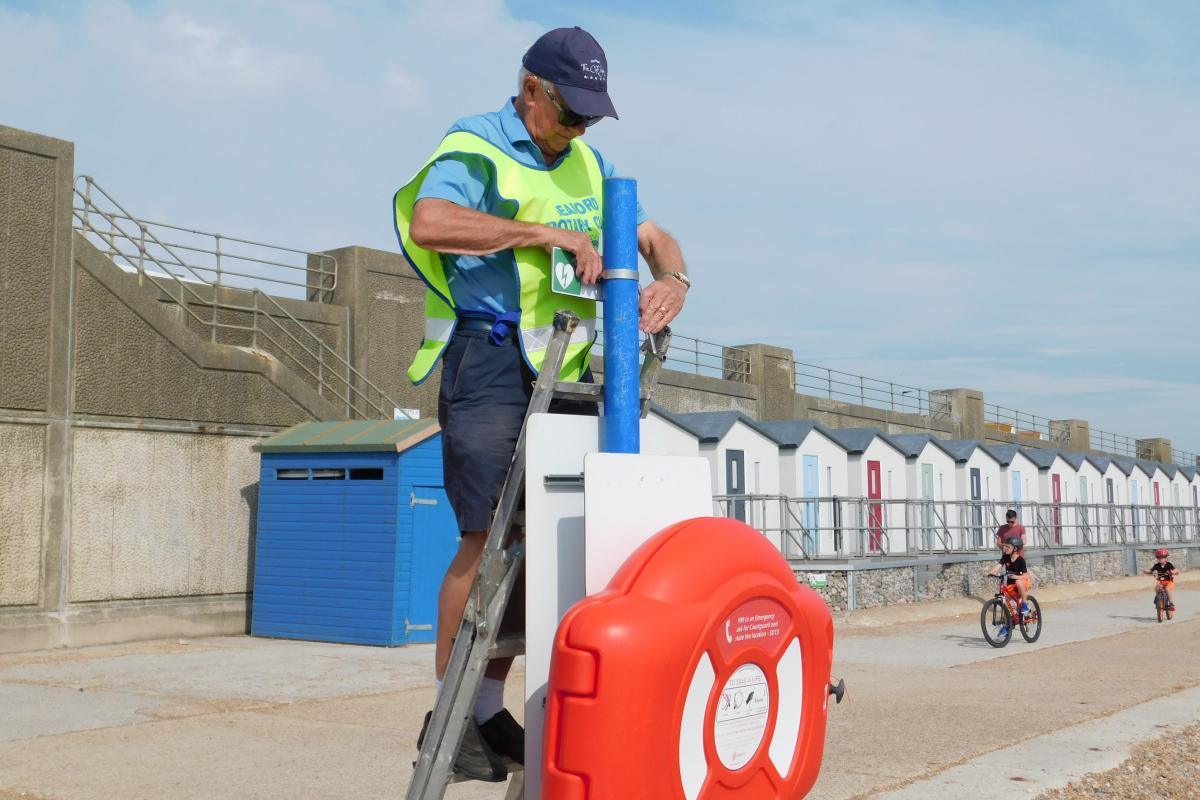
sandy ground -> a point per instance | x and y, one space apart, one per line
238 717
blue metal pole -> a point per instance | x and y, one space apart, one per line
622 411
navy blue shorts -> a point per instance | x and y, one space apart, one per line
481 404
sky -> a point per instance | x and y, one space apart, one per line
1001 196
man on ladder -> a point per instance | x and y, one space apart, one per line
479 222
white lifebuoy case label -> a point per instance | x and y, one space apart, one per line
741 719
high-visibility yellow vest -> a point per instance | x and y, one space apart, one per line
569 195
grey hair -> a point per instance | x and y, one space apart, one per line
522 74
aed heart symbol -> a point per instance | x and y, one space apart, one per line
565 273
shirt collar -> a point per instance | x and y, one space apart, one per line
512 124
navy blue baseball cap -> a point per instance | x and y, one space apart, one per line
573 60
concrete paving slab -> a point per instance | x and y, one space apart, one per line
1048 762
31 711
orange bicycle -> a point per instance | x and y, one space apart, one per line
1162 600
1003 613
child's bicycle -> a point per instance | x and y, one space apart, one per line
1002 613
1162 600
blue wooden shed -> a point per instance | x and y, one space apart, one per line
354 533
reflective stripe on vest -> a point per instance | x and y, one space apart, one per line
569 196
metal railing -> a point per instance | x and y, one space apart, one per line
698 357
849 388
230 315
1020 423
854 527
1184 458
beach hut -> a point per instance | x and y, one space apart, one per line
930 480
876 479
1018 480
663 432
744 460
1089 496
979 478
1139 491
813 470
1113 494
1057 479
1157 498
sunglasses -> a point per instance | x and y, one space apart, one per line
566 117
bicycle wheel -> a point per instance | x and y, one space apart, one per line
1031 622
994 619
1159 605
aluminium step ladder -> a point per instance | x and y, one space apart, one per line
479 638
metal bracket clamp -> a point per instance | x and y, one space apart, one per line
628 274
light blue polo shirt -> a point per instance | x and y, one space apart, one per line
488 284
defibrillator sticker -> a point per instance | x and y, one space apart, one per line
741 719
563 279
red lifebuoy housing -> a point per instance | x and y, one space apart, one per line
700 673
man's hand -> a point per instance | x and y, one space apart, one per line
660 303
588 265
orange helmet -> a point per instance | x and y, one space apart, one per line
1162 552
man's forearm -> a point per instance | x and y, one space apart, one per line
660 249
446 227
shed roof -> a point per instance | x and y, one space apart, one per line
1042 456
1102 462
1126 464
857 440
1003 452
1077 460
913 443
373 435
1189 472
1149 467
674 419
963 449
793 432
711 426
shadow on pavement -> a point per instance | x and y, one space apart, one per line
967 641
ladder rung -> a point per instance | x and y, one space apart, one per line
508 645
586 392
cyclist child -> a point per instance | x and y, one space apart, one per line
1013 561
1164 571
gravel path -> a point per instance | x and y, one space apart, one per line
1167 768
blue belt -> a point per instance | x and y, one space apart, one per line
502 329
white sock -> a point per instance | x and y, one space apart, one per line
490 701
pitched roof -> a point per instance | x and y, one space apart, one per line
793 432
1004 453
673 419
1077 460
1189 472
857 440
711 426
1170 469
963 449
1102 462
914 443
1149 467
1042 456
1127 464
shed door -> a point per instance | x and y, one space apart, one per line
874 510
1196 496
1157 499
927 506
1016 485
811 488
976 506
1109 487
735 480
1135 496
1083 490
435 541
1056 511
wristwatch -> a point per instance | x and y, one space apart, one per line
682 278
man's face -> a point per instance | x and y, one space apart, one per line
544 122
1011 520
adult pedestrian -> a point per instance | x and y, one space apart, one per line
478 222
1010 528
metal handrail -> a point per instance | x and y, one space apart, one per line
850 527
333 375
847 387
1017 422
319 273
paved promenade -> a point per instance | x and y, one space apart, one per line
248 718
